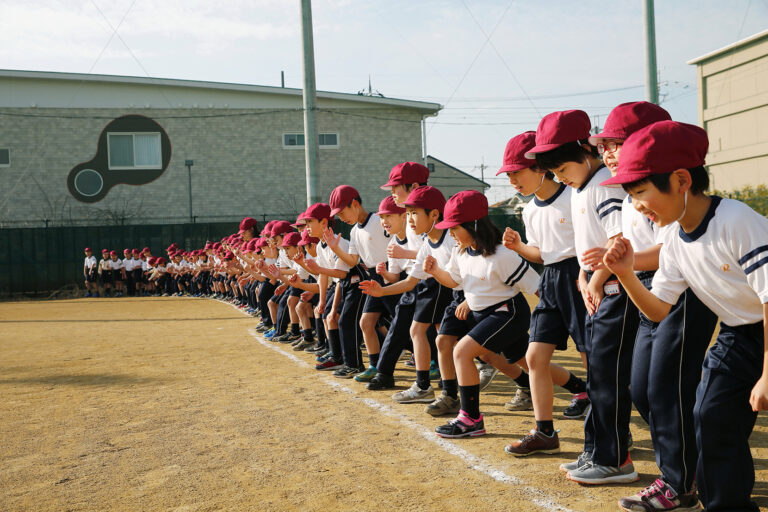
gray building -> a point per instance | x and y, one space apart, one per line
733 108
79 149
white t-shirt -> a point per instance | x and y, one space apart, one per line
283 261
116 265
548 226
441 251
638 229
724 261
326 258
90 262
492 279
397 265
596 213
144 265
128 264
369 240
104 264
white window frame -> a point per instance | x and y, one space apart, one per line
324 146
133 140
9 158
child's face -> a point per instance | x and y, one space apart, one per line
461 236
113 257
420 220
573 174
348 214
662 208
291 251
400 193
611 150
105 256
526 181
316 227
394 223
88 254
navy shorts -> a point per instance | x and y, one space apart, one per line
432 299
501 328
560 311
90 276
384 305
329 300
450 325
294 292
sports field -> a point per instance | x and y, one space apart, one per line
175 404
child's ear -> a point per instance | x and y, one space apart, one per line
682 179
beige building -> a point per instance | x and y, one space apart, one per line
81 149
733 108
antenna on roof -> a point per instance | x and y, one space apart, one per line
371 91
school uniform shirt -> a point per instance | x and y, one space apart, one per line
441 251
326 258
104 264
303 274
548 226
144 265
90 262
116 265
493 279
128 264
596 213
369 241
283 261
724 261
639 229
397 265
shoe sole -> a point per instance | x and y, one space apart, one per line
582 415
474 433
344 376
518 409
329 368
697 508
415 401
441 412
618 479
549 451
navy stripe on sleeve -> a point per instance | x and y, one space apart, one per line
752 254
518 273
607 203
756 266
610 210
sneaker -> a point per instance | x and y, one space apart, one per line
596 474
462 426
434 374
289 337
521 401
381 381
96 294
535 442
443 405
579 408
367 375
314 348
584 457
323 356
487 373
347 372
270 334
302 345
660 496
88 294
411 363
630 441
327 365
415 394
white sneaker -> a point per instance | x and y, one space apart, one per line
521 401
414 395
487 373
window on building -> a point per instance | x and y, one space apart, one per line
431 168
296 140
134 151
5 157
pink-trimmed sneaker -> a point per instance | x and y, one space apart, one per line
659 496
462 426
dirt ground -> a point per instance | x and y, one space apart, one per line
174 404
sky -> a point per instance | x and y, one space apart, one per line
496 66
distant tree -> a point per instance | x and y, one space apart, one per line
755 197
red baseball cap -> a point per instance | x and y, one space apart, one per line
126 251
319 211
560 128
407 173
300 220
152 260
113 253
341 197
627 118
388 206
267 231
465 206
307 239
135 251
660 148
280 227
248 223
87 249
428 198
229 255
514 154
291 239
146 249
105 250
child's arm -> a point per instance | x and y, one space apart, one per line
442 276
333 240
314 268
620 260
388 276
322 283
375 289
514 242
758 399
397 252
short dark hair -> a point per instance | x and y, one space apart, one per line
699 181
571 152
487 236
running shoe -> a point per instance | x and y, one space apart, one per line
487 373
303 345
534 442
521 401
367 375
592 473
584 457
347 372
579 407
411 363
443 404
381 381
414 395
328 365
659 496
88 294
462 426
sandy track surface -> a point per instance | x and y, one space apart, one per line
174 404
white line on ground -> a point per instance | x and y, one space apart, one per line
538 497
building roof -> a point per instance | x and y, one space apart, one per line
430 157
730 47
289 93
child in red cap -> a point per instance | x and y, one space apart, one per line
719 252
492 278
89 273
105 272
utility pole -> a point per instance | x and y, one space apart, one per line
483 167
311 140
651 78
